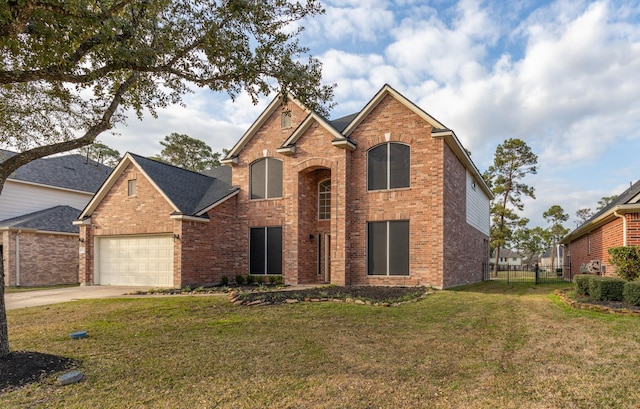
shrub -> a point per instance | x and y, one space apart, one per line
259 280
627 261
631 293
225 281
582 284
606 288
250 279
272 280
239 279
279 280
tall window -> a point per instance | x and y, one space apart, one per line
265 250
132 188
324 200
388 248
266 179
388 166
285 120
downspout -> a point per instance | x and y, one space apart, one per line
18 258
624 226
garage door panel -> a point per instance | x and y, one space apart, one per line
137 261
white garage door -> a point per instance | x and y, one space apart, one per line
135 260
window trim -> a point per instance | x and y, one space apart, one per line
322 195
387 248
388 162
266 250
132 188
266 179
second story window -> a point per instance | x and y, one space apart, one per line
265 179
132 188
388 166
286 120
324 200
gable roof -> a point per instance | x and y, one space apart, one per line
54 219
627 202
188 193
342 128
506 253
74 172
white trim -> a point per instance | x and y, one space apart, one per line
287 151
384 91
184 217
246 137
111 180
344 144
224 199
600 221
48 186
83 222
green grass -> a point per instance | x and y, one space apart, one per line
50 287
483 346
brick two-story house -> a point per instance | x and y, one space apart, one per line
387 196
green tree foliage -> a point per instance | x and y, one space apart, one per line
101 153
188 153
627 261
70 70
532 242
583 215
604 201
555 216
512 162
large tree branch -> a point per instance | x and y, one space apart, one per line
11 164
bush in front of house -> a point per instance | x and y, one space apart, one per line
606 288
582 284
239 279
627 261
631 293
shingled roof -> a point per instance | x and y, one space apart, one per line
73 172
627 201
55 219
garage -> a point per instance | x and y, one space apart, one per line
135 260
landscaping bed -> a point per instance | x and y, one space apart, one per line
385 296
21 368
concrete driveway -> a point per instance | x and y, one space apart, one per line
44 297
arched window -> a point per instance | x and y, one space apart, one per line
388 166
324 200
266 179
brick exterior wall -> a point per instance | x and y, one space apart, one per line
44 258
208 250
596 244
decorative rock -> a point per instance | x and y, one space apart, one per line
71 377
291 301
256 302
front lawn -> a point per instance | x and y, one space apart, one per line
483 346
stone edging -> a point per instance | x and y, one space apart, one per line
593 307
234 299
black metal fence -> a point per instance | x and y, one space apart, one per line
531 274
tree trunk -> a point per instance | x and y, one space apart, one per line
4 332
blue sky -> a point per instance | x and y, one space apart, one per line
564 76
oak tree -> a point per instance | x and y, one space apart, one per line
188 153
70 70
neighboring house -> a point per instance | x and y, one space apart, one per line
38 204
387 196
546 258
507 259
618 224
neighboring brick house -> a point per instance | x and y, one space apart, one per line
618 224
38 204
387 196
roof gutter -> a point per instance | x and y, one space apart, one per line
624 226
617 211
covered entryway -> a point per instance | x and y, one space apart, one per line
134 260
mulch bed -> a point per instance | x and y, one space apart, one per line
23 367
386 296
